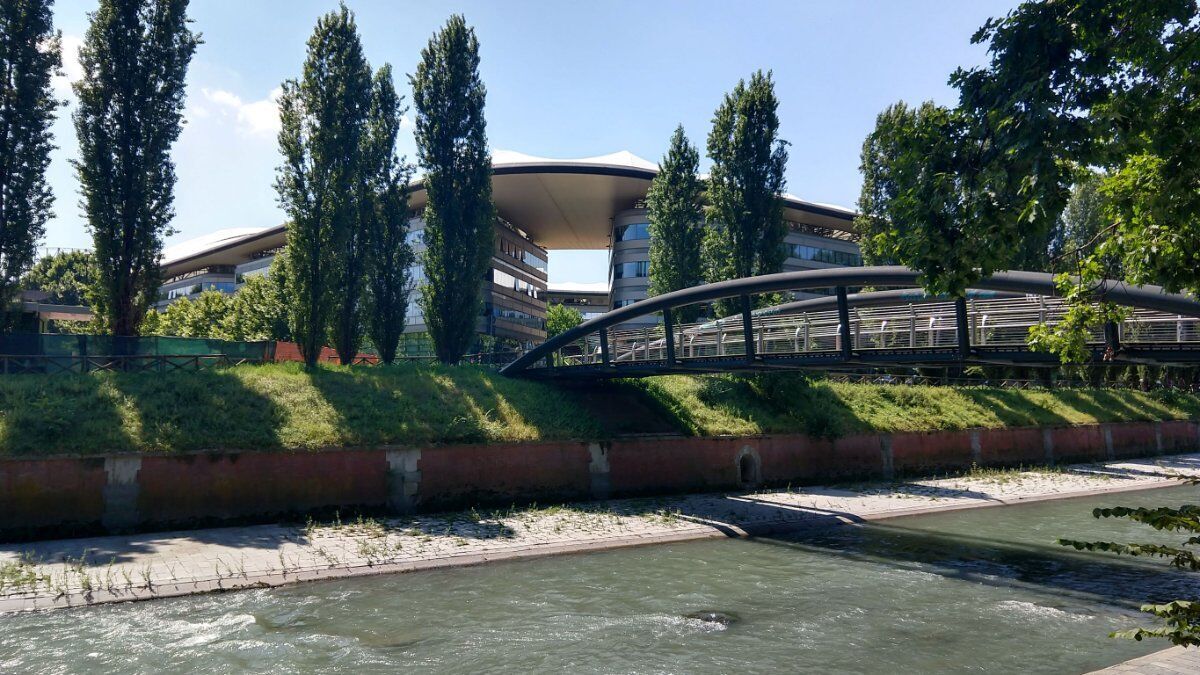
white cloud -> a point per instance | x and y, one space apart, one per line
406 122
72 70
254 118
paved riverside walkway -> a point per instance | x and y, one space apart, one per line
76 572
1173 661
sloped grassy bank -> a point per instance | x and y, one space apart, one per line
282 406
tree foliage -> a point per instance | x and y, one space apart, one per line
1069 86
255 312
322 185
1180 618
451 136
745 217
676 222
560 319
65 277
390 256
30 55
134 58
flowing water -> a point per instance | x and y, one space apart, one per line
973 591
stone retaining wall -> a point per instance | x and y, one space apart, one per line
40 497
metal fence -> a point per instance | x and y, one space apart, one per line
48 353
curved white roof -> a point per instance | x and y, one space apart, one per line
560 203
204 242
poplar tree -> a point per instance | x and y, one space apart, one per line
323 118
30 54
452 149
134 58
745 217
676 223
390 254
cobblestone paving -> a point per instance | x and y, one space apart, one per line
118 568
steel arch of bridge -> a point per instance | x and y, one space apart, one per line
539 362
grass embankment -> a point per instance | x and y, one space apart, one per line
706 406
282 406
279 406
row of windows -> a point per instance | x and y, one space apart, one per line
630 270
517 316
501 278
623 303
825 255
184 291
518 252
578 300
631 232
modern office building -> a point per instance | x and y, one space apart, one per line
590 299
596 203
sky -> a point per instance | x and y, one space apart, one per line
565 79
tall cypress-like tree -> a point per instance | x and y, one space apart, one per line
452 148
134 57
386 203
745 217
676 223
30 54
323 120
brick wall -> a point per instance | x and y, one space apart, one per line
39 497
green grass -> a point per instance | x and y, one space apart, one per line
282 406
777 404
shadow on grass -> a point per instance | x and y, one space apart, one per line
58 414
197 410
1013 408
423 403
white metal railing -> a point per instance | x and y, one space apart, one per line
991 323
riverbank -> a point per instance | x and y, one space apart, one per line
283 407
67 573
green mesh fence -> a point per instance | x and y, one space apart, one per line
52 345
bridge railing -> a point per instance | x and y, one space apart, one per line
995 323
997 313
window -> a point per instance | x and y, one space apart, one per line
508 281
631 270
518 252
517 316
623 303
534 260
825 255
631 232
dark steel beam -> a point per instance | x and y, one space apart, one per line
843 309
669 336
748 327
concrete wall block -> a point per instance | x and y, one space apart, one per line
121 492
404 479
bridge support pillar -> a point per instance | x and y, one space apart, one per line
963 328
604 358
843 309
669 336
748 327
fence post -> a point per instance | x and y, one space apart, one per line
843 309
748 328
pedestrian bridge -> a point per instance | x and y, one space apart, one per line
900 327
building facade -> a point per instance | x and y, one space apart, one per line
544 205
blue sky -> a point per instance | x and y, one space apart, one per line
565 79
